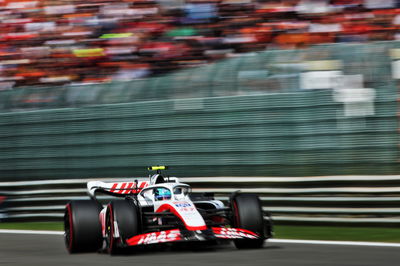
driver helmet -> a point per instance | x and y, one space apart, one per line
162 194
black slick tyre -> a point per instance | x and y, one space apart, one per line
248 214
124 214
82 228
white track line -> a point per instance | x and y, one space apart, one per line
291 241
31 232
343 243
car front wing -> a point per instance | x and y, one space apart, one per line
178 235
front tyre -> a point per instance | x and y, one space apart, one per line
122 223
248 214
82 228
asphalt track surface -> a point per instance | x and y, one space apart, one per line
46 250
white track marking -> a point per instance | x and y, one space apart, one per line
290 241
31 232
343 243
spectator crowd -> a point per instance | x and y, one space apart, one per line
56 42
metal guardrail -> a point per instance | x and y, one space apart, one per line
326 199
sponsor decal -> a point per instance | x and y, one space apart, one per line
189 216
128 188
182 204
233 233
155 237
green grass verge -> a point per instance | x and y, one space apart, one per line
52 226
339 233
345 233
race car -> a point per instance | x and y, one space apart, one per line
161 210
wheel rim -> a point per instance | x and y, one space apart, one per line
110 230
68 229
236 218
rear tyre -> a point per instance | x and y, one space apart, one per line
248 214
124 215
82 226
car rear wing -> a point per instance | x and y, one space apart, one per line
116 188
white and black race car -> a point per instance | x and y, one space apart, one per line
161 210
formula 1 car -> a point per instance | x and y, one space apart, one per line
161 210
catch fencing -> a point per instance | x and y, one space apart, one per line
306 200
